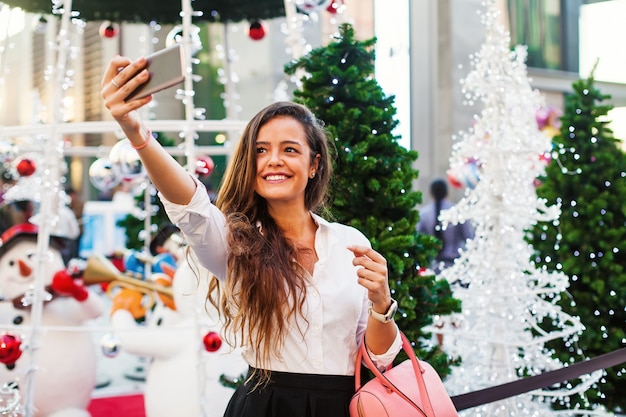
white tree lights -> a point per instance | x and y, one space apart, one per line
509 306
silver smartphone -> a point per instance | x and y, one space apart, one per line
166 70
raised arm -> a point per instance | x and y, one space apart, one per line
121 77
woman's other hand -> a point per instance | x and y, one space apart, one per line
373 275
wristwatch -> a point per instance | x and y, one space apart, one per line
383 318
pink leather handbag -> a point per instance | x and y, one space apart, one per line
412 388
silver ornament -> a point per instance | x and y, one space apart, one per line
110 345
126 161
102 175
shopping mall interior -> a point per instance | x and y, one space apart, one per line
60 147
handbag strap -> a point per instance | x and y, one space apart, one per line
364 356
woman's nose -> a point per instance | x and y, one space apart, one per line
275 158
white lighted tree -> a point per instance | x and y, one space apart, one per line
509 306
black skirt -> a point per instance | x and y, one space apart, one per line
293 395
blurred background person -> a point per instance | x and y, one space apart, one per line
453 237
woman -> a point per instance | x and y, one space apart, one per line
297 291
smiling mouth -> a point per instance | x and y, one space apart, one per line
276 177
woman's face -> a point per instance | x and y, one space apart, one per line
283 161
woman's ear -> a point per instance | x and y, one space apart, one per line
315 165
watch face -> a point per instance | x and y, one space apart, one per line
388 315
392 310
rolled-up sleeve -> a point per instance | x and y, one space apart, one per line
204 227
383 360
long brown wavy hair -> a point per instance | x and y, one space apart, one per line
265 287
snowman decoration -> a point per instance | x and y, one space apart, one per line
65 373
184 342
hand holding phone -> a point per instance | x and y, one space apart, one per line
166 70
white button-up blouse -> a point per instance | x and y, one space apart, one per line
326 339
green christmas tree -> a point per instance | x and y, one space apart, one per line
372 189
588 242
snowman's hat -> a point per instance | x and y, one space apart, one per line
165 231
23 231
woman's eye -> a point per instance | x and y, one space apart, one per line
260 150
291 150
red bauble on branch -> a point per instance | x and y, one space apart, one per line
334 6
10 349
109 30
257 30
25 167
204 166
212 341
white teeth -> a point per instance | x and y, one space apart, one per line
275 177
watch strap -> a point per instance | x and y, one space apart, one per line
383 317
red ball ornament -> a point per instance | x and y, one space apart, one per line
10 350
26 167
453 179
204 166
334 6
257 30
109 30
425 272
212 341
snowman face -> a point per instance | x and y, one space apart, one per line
18 268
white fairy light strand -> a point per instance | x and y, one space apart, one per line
49 198
229 78
187 96
294 38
